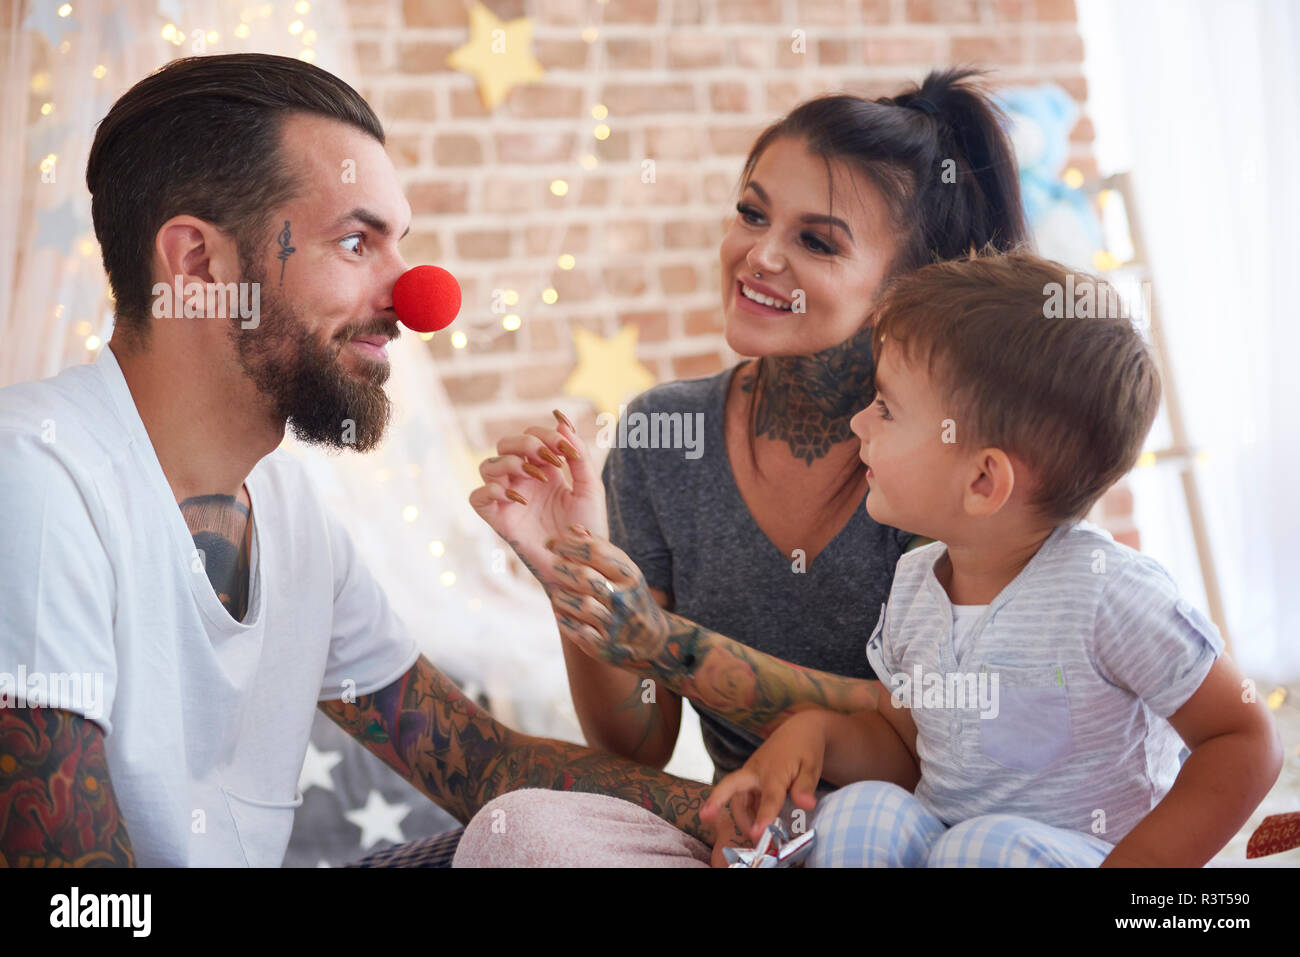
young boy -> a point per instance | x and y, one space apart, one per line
1041 675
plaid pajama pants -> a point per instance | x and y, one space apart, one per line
879 824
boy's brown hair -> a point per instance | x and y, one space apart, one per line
1073 398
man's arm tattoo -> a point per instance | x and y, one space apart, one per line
57 806
460 757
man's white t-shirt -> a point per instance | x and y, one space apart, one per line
206 719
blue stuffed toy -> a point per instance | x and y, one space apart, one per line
1063 221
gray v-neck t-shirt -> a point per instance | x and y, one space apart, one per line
679 515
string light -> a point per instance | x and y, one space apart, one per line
426 336
559 187
99 72
306 54
301 7
410 513
92 343
510 297
242 31
65 10
599 111
447 578
549 296
169 31
459 340
511 322
436 548
566 261
589 35
588 161
296 27
601 132
1073 178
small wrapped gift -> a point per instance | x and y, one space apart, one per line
785 851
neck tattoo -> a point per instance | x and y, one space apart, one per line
807 401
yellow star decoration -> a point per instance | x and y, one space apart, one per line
607 371
497 55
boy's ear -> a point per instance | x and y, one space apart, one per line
993 482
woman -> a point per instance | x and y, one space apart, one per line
761 537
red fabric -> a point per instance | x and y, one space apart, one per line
1277 833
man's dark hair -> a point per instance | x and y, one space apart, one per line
201 137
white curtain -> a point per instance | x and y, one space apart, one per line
471 616
1201 100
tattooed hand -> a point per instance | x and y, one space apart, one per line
603 605
539 484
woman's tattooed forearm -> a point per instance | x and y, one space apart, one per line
461 757
57 806
750 688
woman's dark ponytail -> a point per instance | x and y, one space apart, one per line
937 152
967 189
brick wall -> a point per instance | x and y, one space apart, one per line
687 83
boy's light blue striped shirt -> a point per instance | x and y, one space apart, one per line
1082 657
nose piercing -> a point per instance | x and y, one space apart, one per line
758 275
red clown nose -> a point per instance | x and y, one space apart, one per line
426 298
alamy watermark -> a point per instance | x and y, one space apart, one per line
652 430
82 692
952 690
1089 299
209 300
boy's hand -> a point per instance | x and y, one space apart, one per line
789 762
728 834
539 484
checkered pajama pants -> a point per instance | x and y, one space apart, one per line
879 824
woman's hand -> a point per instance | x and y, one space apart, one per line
538 485
603 605
790 761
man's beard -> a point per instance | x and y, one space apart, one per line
307 384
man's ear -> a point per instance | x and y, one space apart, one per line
993 478
195 250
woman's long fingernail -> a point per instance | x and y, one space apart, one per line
547 455
581 530
569 451
563 420
535 472
515 497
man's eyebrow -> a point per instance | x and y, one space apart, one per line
813 219
362 215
